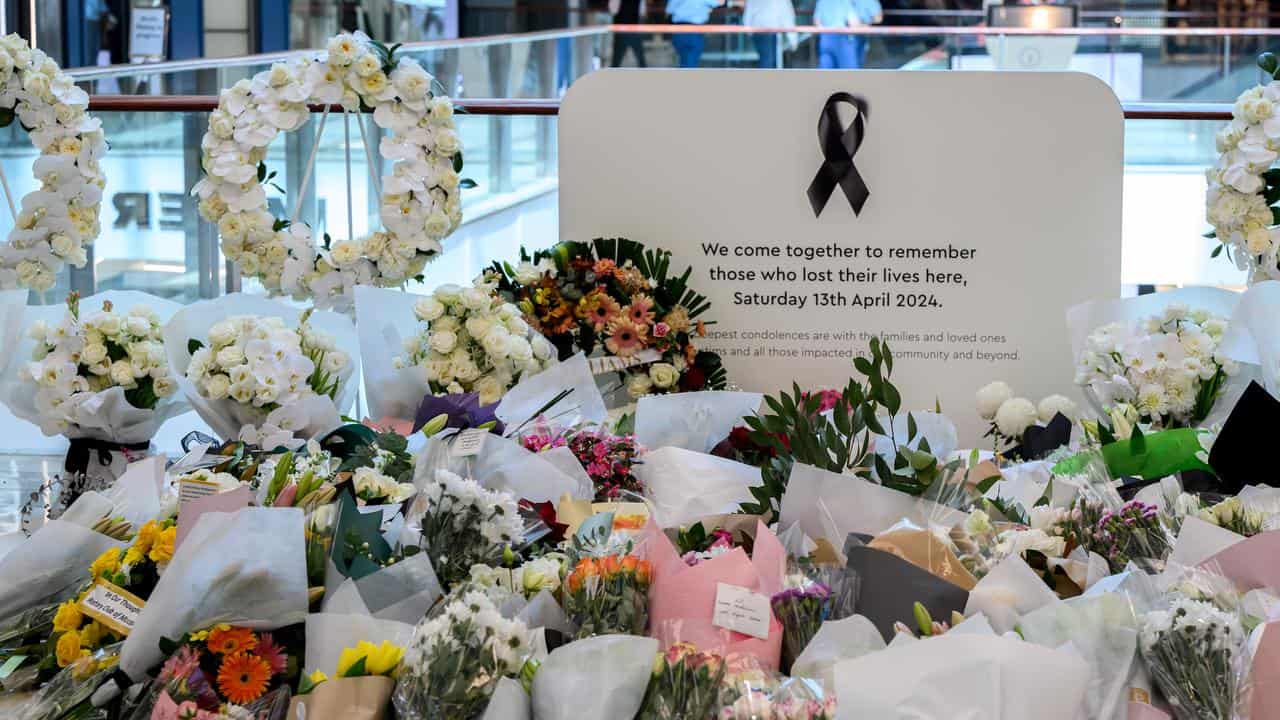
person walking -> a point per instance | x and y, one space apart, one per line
769 14
689 46
839 50
627 12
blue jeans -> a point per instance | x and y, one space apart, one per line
689 48
841 51
767 49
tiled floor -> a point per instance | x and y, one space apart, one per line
19 476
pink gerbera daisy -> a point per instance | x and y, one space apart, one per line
604 268
641 310
271 652
181 664
625 338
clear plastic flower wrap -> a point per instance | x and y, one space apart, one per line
1101 521
813 594
73 686
464 524
502 463
750 691
685 685
1194 645
455 660
608 595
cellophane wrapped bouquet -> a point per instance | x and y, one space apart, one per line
752 692
1195 651
685 685
813 596
456 658
609 459
464 524
608 595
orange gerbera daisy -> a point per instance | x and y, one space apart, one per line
625 338
231 640
243 678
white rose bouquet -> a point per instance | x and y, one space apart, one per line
261 370
456 658
1195 652
1166 367
97 373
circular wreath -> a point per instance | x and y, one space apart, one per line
53 223
420 202
1243 189
616 297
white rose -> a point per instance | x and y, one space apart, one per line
217 387
664 375
1055 404
518 326
447 142
230 356
448 293
991 397
137 326
164 386
542 347
442 341
490 389
639 385
428 309
1015 416
478 326
93 354
437 224
222 333
62 244
474 299
109 324
334 362
345 254
441 109
526 273
122 374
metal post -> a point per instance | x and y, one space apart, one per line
297 149
546 137
83 280
1226 55
200 237
499 125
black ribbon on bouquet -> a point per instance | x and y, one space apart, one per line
80 453
839 145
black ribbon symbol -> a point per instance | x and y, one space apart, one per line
82 449
839 145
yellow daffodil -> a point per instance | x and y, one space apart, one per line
68 648
67 618
107 562
382 659
162 548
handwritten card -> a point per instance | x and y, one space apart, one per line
112 606
741 610
469 442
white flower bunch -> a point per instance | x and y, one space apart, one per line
1011 416
464 524
80 357
60 217
1166 368
1234 515
1195 652
263 363
472 341
1236 205
375 488
531 578
224 481
420 202
455 659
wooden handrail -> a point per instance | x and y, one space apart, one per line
550 106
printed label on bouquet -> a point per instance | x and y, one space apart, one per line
1139 695
469 442
112 606
952 256
741 610
606 364
189 490
10 665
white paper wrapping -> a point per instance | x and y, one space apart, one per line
328 634
56 557
13 305
504 464
1198 541
508 702
243 568
226 417
543 611
1254 335
1009 591
830 505
685 486
599 678
835 641
106 415
1084 318
384 319
695 421
403 592
934 427
583 406
1104 631
962 677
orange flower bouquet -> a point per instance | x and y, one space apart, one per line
609 595
226 667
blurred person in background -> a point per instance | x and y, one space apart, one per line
769 14
689 46
844 51
627 12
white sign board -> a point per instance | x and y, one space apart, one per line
994 205
147 27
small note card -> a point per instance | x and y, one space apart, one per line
742 610
469 442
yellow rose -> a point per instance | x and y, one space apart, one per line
107 562
68 617
162 549
146 536
68 649
133 556
91 636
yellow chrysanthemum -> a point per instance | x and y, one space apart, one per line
107 562
67 618
68 649
147 536
162 548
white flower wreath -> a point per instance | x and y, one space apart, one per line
420 203
1242 185
55 221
